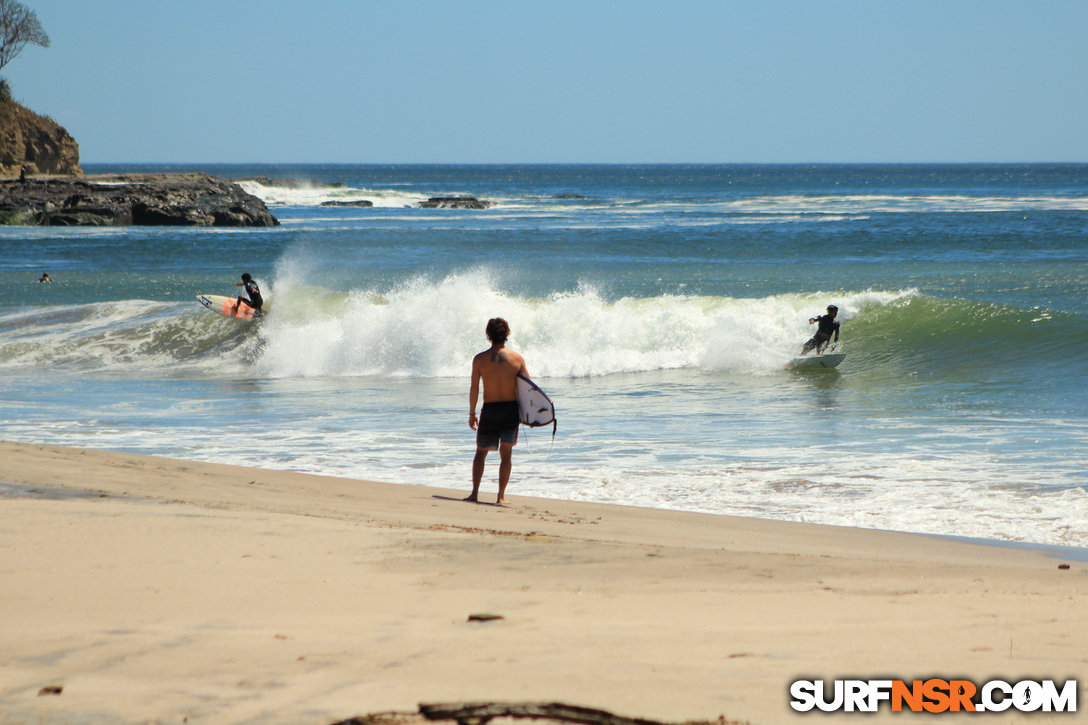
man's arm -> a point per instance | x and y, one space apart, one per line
473 394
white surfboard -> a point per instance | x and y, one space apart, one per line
226 306
535 408
828 360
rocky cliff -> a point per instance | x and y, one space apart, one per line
34 142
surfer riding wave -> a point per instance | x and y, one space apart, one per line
827 326
255 300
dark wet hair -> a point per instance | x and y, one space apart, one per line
832 308
246 277
498 330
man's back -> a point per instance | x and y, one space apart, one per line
498 369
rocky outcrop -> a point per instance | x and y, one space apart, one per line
191 199
359 203
35 143
455 202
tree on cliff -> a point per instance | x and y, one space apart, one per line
18 26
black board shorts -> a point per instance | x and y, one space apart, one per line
498 424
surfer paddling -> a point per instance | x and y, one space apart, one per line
827 326
497 427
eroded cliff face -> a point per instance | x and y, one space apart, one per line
35 142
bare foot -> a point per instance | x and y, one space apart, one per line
471 497
500 502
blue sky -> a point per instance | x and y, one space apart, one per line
592 81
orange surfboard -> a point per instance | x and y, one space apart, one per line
228 306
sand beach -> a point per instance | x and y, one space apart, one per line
142 589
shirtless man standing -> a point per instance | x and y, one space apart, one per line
497 426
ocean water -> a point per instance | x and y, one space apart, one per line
658 306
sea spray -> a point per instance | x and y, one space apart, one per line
430 328
304 194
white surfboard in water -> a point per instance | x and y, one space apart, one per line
829 360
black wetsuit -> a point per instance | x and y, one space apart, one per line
255 300
826 325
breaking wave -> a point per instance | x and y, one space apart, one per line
431 327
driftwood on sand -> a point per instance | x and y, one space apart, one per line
481 713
